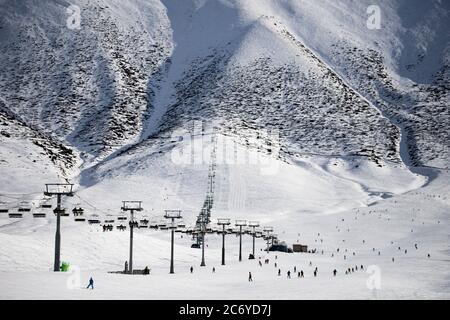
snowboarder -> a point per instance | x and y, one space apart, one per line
192 269
91 284
250 279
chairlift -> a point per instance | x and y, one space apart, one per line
46 203
3 208
62 212
15 215
121 227
144 221
181 225
78 211
94 219
24 207
80 219
39 215
134 224
122 217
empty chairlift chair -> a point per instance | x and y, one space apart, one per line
46 203
109 219
122 217
39 214
15 215
94 219
24 207
3 208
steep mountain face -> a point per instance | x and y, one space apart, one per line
91 87
310 71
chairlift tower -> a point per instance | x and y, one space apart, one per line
253 225
172 214
203 222
58 189
131 206
268 230
240 224
223 223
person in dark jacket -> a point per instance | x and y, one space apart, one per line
91 284
250 279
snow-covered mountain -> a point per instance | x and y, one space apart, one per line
343 116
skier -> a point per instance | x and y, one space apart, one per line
298 275
289 274
260 264
315 273
192 269
279 272
301 274
362 267
275 264
126 266
334 272
250 279
295 269
91 284
214 270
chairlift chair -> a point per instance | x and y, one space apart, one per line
77 211
39 215
122 217
15 215
46 203
24 207
3 208
94 219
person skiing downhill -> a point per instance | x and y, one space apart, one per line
91 284
192 269
250 279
